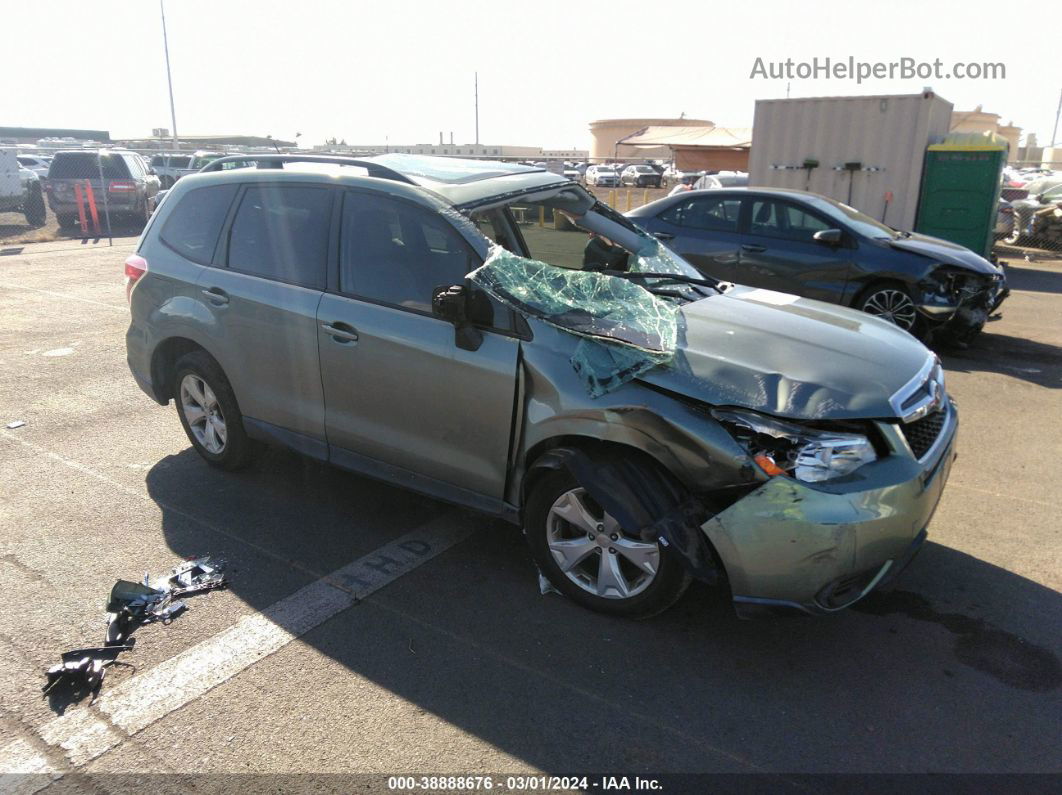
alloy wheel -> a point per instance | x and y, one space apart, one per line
594 552
892 305
203 413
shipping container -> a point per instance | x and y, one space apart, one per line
867 152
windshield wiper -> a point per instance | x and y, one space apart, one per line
674 277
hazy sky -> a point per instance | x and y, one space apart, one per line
363 71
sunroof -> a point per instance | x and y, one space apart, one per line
452 171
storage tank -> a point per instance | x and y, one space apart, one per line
865 151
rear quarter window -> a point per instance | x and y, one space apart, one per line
194 225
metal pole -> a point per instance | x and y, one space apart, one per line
1058 112
169 78
103 190
477 108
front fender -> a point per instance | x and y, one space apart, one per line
681 437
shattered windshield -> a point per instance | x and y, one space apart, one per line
597 277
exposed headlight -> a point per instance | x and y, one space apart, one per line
784 448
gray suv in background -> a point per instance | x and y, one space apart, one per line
171 167
643 424
128 185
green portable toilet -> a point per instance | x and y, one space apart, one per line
960 189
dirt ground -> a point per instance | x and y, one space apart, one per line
14 230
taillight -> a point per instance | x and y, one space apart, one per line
121 185
135 267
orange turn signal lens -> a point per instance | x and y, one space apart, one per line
767 464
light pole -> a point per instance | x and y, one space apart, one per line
1058 113
169 78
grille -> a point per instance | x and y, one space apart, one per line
921 434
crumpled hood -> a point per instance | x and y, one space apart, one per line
944 251
788 356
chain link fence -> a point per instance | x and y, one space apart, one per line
90 195
1030 219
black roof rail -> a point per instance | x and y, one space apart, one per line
278 161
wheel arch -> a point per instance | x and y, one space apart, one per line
164 361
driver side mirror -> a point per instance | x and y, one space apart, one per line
829 237
465 308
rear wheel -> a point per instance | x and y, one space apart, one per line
209 413
589 558
35 211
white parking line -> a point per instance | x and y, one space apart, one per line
85 733
67 296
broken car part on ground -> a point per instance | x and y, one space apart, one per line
130 605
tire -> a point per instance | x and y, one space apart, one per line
649 594
141 216
229 450
879 297
35 211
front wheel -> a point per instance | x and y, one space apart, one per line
891 302
1015 237
209 413
589 558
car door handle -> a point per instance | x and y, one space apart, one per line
216 296
753 247
340 332
663 236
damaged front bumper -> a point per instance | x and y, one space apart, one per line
820 548
965 311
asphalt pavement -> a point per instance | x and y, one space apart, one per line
370 630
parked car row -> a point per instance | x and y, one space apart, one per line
1039 194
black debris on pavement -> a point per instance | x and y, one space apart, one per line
130 605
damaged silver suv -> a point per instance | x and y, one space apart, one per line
492 335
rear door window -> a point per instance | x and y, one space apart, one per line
281 232
716 214
193 226
770 218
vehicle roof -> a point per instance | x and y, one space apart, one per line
653 207
323 173
468 181
457 181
